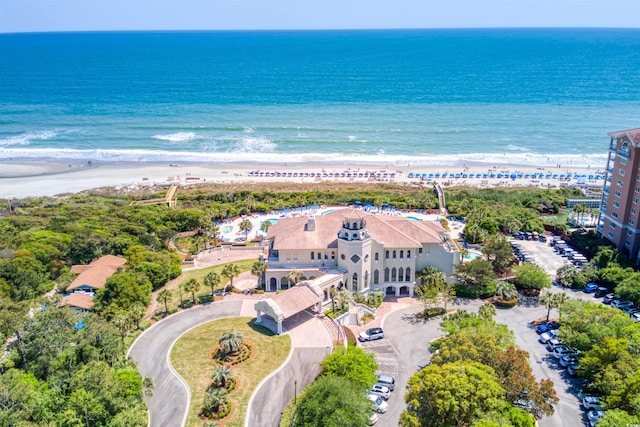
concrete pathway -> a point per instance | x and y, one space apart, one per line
310 343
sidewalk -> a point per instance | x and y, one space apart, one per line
388 306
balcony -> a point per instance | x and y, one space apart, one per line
605 190
623 153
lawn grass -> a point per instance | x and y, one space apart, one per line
198 274
190 359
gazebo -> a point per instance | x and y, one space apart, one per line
288 303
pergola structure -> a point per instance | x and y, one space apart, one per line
289 303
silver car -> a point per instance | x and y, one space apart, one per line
381 391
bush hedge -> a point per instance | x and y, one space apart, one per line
507 303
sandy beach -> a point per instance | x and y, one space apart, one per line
33 179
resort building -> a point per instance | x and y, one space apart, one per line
619 219
357 250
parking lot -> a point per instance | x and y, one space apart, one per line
544 255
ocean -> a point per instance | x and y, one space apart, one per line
399 97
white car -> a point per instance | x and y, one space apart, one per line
594 416
373 418
381 405
558 352
381 391
371 334
592 403
545 337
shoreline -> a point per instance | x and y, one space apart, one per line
22 179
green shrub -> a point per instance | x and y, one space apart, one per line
173 310
431 312
145 324
186 303
203 299
507 303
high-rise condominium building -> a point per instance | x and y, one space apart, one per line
619 219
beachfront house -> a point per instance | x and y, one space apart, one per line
357 250
90 278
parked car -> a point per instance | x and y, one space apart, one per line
540 329
387 381
629 309
622 305
594 416
373 418
380 390
560 351
592 403
568 360
608 298
636 317
553 325
371 334
600 292
590 287
381 405
572 369
545 337
553 344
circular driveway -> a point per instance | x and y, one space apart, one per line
310 343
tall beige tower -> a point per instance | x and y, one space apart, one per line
619 219
354 247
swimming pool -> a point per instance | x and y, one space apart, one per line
413 218
471 255
227 229
273 221
328 212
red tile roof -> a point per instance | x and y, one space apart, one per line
632 134
78 300
97 273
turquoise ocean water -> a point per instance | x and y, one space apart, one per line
529 96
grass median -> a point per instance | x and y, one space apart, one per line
190 358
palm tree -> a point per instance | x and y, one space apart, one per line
214 230
560 298
264 226
258 268
506 290
294 275
192 286
180 291
214 398
165 296
197 239
548 300
123 323
245 225
487 311
137 311
230 271
212 279
432 277
220 376
230 341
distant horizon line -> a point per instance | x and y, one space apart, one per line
309 30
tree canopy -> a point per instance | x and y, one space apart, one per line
352 363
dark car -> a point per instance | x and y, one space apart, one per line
608 298
590 287
600 292
553 325
542 329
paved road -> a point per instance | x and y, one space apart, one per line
167 406
409 338
311 342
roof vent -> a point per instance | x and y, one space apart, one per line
311 224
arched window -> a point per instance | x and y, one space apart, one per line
312 254
366 280
376 277
366 258
319 256
400 275
376 256
386 274
394 274
408 254
401 253
386 254
394 254
407 275
354 282
333 255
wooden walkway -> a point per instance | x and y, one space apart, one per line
170 199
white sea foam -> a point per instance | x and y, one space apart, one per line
262 151
27 137
513 147
177 137
258 144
